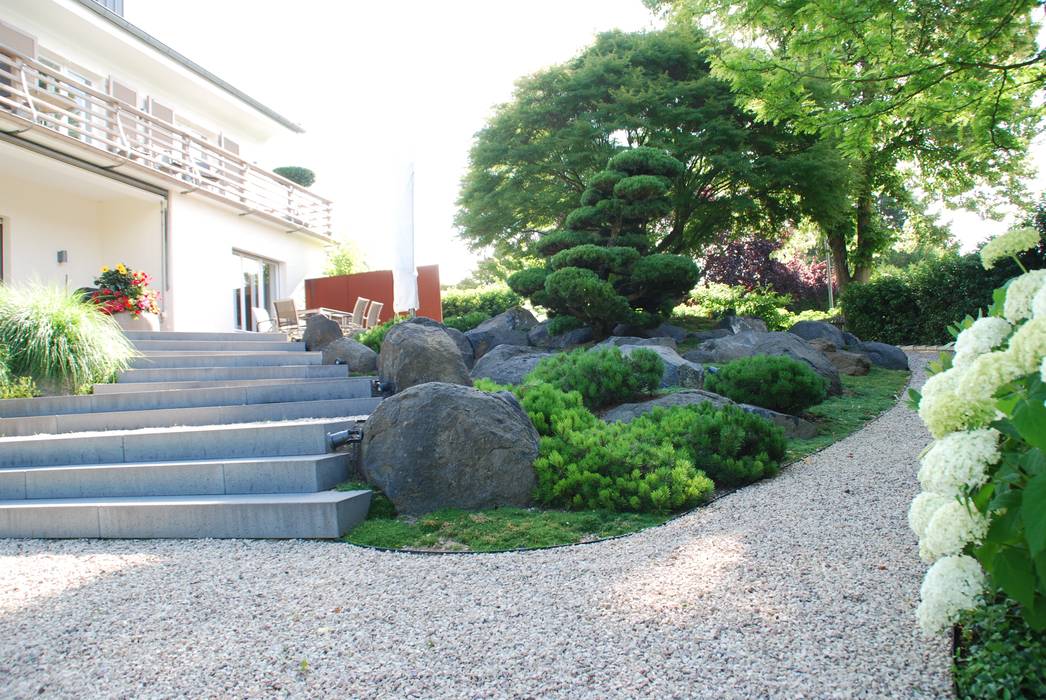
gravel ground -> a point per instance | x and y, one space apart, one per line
803 586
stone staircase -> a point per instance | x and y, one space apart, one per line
206 435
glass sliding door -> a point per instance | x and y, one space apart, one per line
255 289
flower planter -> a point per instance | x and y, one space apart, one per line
145 322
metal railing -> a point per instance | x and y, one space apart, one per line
37 96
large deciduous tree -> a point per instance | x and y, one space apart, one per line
533 160
939 92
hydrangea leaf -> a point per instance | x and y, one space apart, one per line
1033 514
1012 571
1029 418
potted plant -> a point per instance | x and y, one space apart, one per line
125 295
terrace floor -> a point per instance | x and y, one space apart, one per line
802 585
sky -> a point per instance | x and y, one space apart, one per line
382 85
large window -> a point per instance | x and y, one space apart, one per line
256 288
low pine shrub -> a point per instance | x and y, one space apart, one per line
998 654
59 339
466 322
774 382
491 300
373 337
602 377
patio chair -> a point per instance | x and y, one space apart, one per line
374 313
286 315
262 319
359 311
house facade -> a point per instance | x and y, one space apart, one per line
115 148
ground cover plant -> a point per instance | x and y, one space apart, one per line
59 340
775 382
998 655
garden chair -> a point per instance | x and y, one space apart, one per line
374 313
286 315
359 311
262 319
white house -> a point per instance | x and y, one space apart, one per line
116 148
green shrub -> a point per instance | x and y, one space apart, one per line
491 300
999 655
20 388
885 310
466 322
602 377
774 382
59 339
716 300
373 337
343 259
296 174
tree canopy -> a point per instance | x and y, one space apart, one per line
530 165
942 92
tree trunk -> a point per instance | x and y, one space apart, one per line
862 268
840 264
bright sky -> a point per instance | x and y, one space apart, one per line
378 85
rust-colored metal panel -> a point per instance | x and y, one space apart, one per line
342 291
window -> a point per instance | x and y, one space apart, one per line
255 288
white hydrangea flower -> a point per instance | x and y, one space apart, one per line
952 526
1008 244
922 509
947 406
989 372
952 584
1038 303
1028 345
983 336
1020 294
959 461
1042 370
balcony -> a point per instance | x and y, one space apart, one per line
96 126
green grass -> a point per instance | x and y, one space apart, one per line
863 399
502 529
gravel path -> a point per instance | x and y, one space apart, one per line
803 586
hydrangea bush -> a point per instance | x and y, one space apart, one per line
981 519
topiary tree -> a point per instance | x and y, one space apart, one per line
600 270
297 175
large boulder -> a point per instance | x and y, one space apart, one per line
711 334
346 351
849 363
508 364
741 324
539 337
447 446
665 330
678 370
885 355
320 332
509 328
751 343
793 426
414 354
457 336
819 330
620 340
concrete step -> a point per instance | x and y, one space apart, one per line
190 374
171 396
142 387
227 359
197 415
327 514
220 336
304 437
300 474
218 345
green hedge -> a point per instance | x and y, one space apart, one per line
466 322
491 300
917 309
774 382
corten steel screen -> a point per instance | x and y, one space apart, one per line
341 292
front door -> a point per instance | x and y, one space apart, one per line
255 291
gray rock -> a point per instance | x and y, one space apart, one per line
665 330
792 425
320 332
346 351
750 343
508 364
620 340
678 370
447 446
819 330
851 342
740 324
885 355
540 338
701 336
509 328
849 363
415 354
457 336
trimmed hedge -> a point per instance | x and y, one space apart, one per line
771 381
491 300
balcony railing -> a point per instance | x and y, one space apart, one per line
40 97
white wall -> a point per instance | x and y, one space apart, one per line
203 236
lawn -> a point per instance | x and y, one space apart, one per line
863 399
